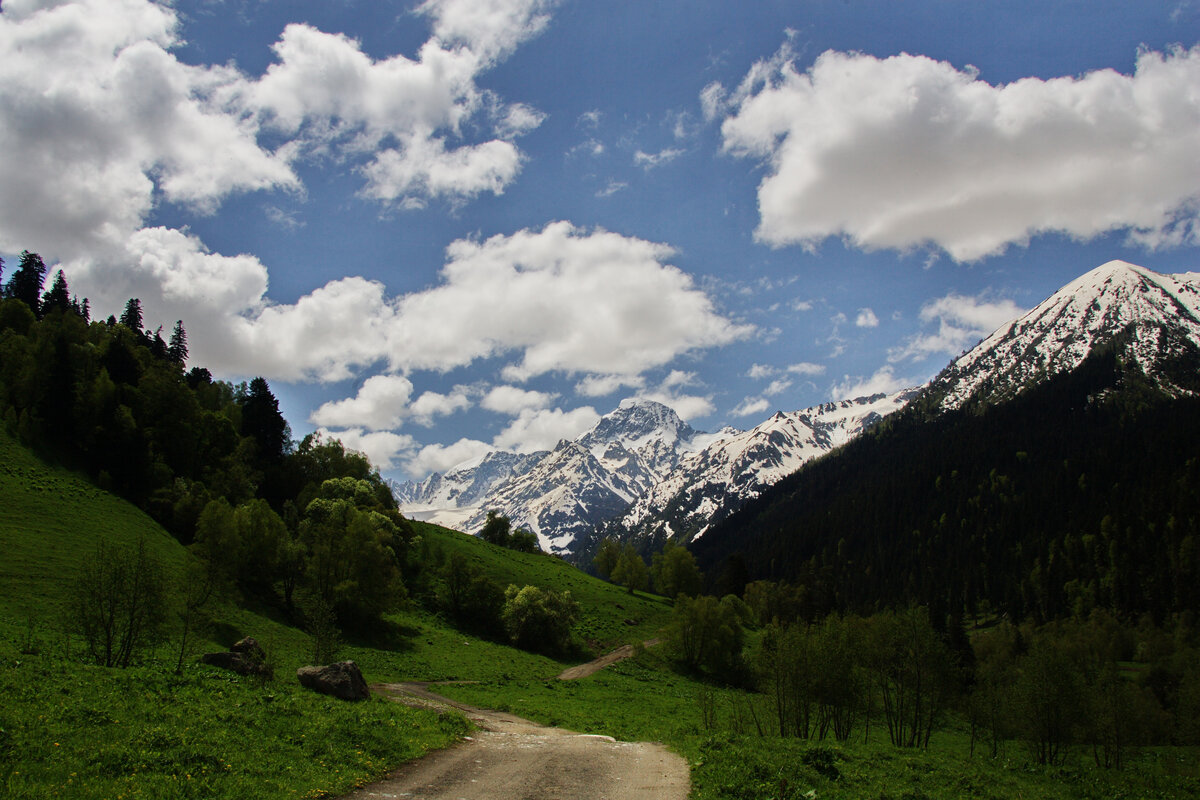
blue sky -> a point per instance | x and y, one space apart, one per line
447 226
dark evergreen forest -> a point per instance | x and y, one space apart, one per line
211 461
1081 493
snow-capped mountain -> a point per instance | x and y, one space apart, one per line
1161 312
736 466
642 464
565 492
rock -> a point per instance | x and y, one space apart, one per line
249 647
245 658
342 680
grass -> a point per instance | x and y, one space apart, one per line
642 699
610 616
69 729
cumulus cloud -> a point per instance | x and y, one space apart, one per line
904 152
751 406
807 368
384 448
866 319
381 403
884 380
99 121
961 321
490 28
562 298
440 458
542 429
512 400
777 387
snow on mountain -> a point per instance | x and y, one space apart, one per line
1059 333
712 482
638 463
563 493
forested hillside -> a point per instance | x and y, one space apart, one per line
1081 493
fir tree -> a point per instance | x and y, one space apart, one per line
177 351
262 421
26 282
131 317
58 297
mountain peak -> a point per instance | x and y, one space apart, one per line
1061 331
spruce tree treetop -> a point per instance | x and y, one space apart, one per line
59 297
26 282
131 317
177 350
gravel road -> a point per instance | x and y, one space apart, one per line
509 757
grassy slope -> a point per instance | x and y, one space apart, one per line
70 728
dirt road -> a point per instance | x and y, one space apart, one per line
510 757
592 667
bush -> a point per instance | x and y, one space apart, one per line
118 603
539 619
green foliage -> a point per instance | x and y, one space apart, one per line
706 634
630 570
675 572
539 619
607 554
496 529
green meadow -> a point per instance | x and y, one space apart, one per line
74 730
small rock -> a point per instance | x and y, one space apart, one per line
343 680
245 658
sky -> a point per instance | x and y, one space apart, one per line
442 227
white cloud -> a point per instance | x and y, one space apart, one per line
611 188
961 322
383 448
760 371
564 300
777 387
98 120
802 305
649 161
900 152
542 429
440 458
866 319
434 404
807 368
603 385
490 28
884 381
512 400
403 112
751 406
381 404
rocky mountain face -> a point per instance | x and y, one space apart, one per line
641 465
563 493
1160 313
736 466
643 472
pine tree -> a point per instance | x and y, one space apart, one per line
26 282
177 351
58 297
131 317
262 421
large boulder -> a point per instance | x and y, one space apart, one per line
343 680
245 658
